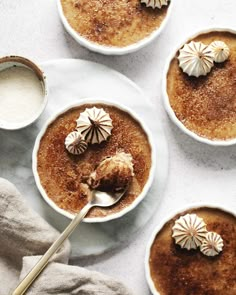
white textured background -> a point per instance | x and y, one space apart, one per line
197 172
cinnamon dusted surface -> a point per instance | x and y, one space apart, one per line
179 271
206 105
62 174
113 22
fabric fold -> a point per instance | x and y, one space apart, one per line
24 237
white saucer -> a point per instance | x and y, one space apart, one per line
70 80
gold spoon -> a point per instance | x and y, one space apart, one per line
99 199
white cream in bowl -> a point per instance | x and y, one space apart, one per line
22 92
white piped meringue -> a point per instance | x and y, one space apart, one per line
189 231
95 125
196 59
212 245
220 51
75 143
155 3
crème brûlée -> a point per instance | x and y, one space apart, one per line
116 23
206 105
65 176
175 270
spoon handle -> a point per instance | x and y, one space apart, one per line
36 270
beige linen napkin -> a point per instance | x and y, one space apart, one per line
24 234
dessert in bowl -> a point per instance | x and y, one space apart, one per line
114 26
193 251
199 87
94 144
23 92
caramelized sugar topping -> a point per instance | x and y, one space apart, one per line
113 22
63 175
206 105
191 272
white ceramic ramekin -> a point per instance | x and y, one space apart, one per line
167 105
126 209
161 225
10 61
112 50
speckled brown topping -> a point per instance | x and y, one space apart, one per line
207 105
179 271
113 22
62 174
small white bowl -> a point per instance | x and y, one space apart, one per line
167 105
146 187
161 225
10 61
112 50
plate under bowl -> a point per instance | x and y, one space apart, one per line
126 209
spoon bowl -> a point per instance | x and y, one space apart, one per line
103 199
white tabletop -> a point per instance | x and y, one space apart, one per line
198 173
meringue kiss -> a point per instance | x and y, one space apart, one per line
212 245
189 231
75 143
196 59
220 51
95 125
155 3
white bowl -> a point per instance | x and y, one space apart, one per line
10 61
167 105
161 225
126 209
112 50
